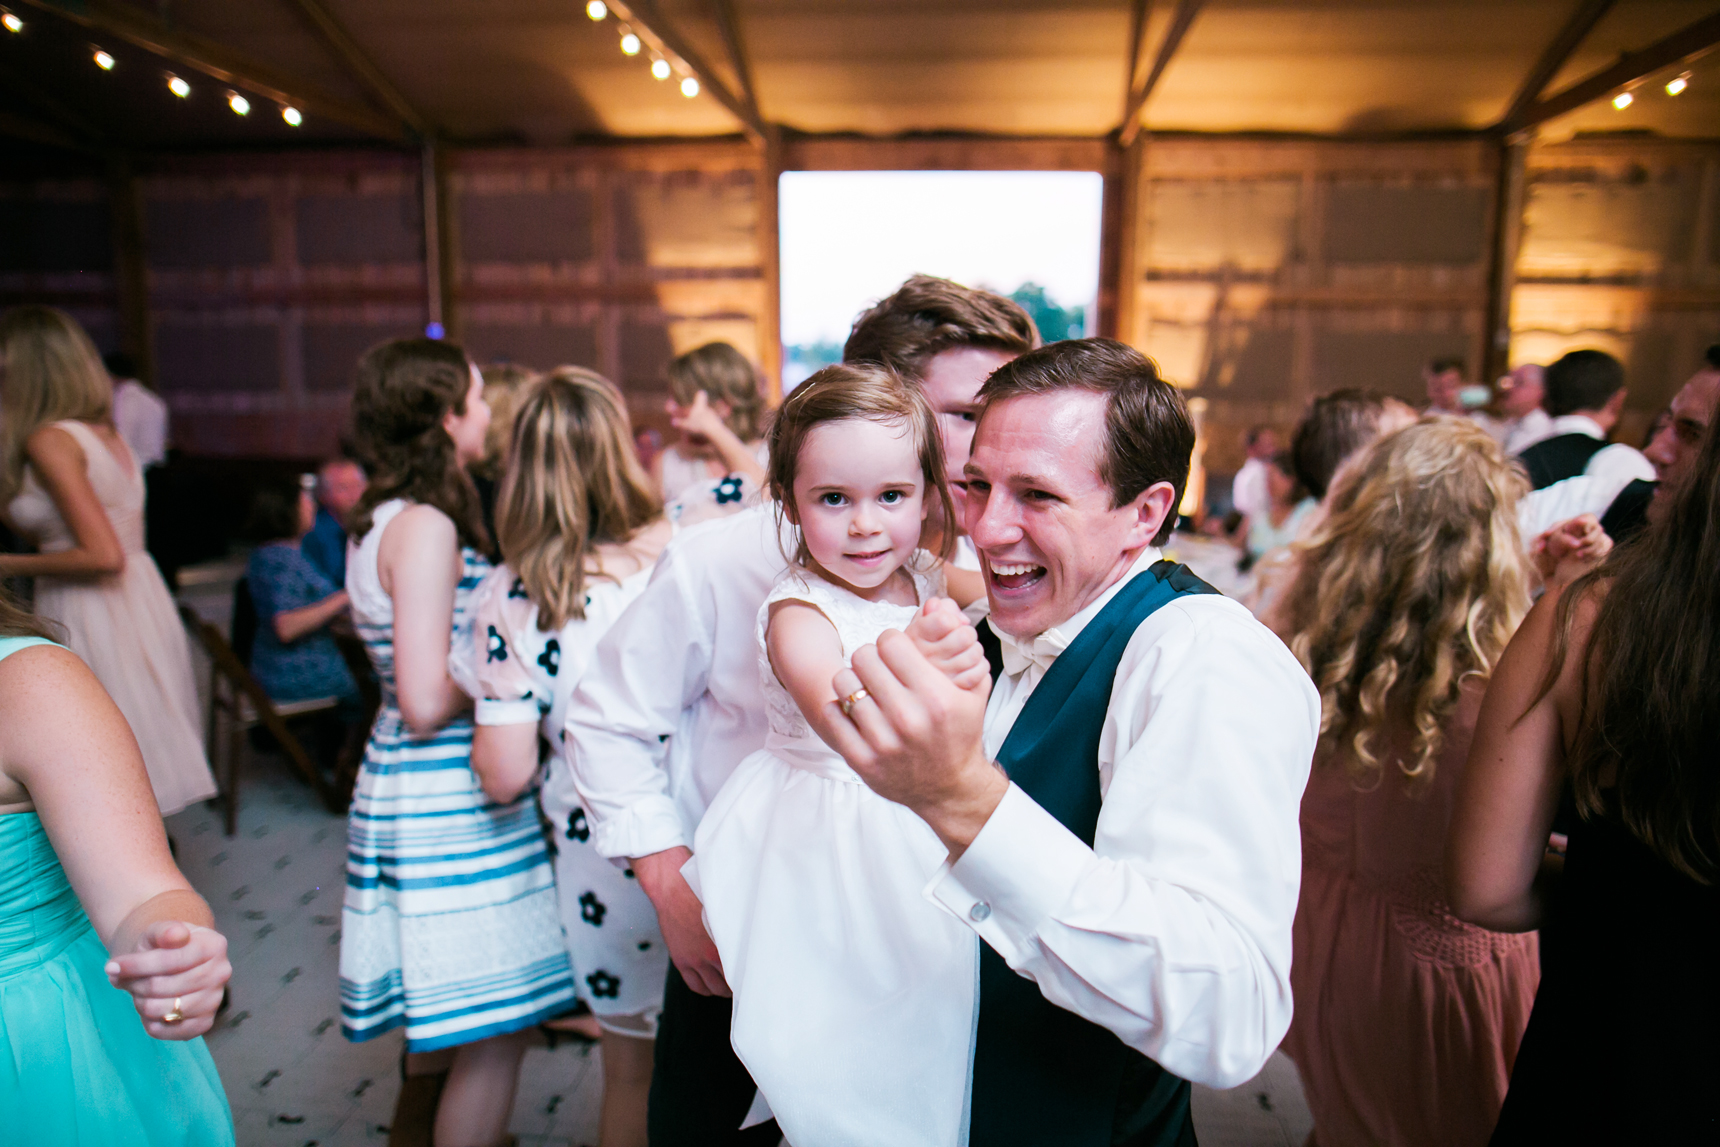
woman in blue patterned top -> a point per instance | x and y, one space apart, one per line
294 656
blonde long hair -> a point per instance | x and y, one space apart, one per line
1411 586
52 372
573 482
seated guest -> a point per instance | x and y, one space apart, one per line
1444 378
1517 420
1120 818
1248 493
714 401
1585 393
340 484
293 656
1407 1021
1612 686
1288 504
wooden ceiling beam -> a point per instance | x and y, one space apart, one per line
644 17
361 67
738 58
221 63
1138 10
1184 16
1588 13
1687 43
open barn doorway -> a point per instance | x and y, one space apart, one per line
848 238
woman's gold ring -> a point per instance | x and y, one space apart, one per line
852 700
175 1015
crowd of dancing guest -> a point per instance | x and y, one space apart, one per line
870 774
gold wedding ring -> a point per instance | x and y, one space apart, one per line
175 1015
852 700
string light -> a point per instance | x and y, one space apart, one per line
660 68
630 45
597 9
12 22
239 104
1623 100
292 115
689 86
1677 84
178 86
103 61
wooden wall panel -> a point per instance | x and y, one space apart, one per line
56 247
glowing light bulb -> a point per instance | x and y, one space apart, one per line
630 45
292 115
689 87
660 69
104 61
239 104
1623 100
1677 84
178 86
13 24
597 9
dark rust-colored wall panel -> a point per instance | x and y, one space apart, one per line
55 235
214 357
645 354
527 227
1387 361
536 345
331 350
359 229
1249 363
215 232
1370 223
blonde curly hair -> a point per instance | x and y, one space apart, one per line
1410 587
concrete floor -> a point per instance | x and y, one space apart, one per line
293 1081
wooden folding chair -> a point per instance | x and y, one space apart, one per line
237 703
370 694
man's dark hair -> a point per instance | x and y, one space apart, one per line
1582 380
274 513
926 316
1148 434
1712 357
1335 426
119 364
1441 365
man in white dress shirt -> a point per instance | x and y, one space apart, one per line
673 703
1585 393
1521 422
1132 877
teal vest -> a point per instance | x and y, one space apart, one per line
1044 1076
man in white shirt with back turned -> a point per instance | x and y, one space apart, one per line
1585 394
1121 817
672 702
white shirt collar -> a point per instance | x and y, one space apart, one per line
1020 654
1578 424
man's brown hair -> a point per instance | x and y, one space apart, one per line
927 315
1148 434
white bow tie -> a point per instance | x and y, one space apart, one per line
1019 653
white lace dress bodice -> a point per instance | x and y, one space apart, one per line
848 982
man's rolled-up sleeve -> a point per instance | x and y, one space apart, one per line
651 665
1173 930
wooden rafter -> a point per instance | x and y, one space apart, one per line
738 58
362 68
1184 16
199 53
644 17
1685 44
1137 33
1588 13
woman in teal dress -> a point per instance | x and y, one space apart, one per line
109 970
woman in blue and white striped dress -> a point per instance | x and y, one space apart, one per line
450 926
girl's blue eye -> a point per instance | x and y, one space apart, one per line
891 497
832 498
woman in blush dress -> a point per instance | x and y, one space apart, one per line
1407 1019
68 481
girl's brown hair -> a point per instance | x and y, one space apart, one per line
725 375
1648 742
403 390
1411 586
857 390
573 482
52 372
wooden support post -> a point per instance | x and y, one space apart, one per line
131 272
438 250
1119 263
770 258
1508 204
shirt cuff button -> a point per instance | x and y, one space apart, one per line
980 912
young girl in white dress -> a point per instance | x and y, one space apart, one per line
580 530
812 883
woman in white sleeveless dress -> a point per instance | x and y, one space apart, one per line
69 483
